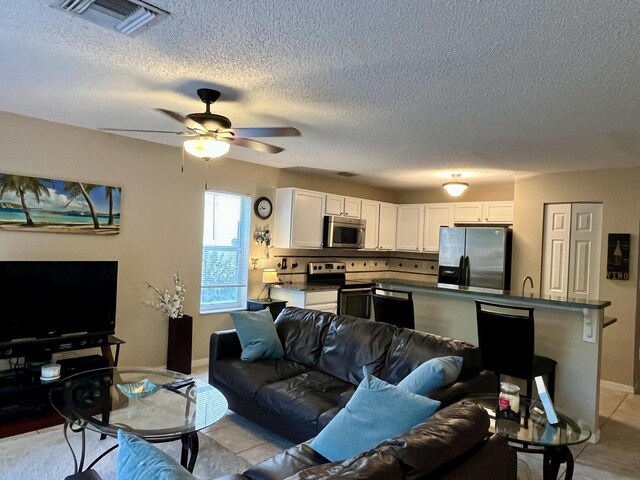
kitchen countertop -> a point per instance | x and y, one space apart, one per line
499 295
306 287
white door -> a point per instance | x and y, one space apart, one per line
370 214
584 262
571 250
555 249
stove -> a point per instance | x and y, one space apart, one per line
354 296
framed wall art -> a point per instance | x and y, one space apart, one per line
618 248
37 204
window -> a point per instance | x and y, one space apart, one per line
225 252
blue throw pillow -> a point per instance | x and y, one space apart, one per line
137 459
257 334
377 411
432 374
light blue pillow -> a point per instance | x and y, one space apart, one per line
377 411
432 374
137 459
257 334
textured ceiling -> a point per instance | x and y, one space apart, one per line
402 92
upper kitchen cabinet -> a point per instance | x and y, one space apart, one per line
409 230
343 206
298 222
436 215
387 226
483 212
381 225
370 212
497 212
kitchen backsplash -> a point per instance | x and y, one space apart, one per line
360 265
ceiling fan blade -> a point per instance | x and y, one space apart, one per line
187 122
253 144
136 130
265 132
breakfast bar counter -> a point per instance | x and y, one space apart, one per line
569 331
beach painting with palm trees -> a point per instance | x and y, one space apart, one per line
47 205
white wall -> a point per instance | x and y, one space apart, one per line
618 190
161 224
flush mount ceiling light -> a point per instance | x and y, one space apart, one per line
455 188
206 147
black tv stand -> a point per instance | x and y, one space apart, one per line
24 398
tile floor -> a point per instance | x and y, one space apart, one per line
615 456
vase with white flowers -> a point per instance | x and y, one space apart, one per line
180 325
170 303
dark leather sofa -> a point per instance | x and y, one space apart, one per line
451 445
324 354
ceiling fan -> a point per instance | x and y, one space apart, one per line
214 134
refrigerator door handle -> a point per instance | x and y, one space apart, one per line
467 271
461 274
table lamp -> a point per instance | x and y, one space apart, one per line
269 277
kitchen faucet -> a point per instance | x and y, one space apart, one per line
525 281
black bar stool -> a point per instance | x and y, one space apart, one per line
506 337
393 306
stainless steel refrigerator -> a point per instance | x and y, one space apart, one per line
475 257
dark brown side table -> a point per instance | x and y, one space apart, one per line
275 306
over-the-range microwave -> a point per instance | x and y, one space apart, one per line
343 232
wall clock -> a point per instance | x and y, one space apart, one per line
263 208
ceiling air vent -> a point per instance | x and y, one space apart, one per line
125 16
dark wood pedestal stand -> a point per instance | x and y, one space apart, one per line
179 344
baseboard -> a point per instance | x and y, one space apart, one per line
200 362
620 387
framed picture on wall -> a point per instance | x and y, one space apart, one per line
618 248
36 204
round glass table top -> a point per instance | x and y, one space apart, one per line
150 403
533 428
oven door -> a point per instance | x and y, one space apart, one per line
355 302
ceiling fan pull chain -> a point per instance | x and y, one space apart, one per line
182 168
206 174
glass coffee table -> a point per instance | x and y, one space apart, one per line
156 405
536 435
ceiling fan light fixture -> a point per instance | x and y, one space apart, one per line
456 187
206 147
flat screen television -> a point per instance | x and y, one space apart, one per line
50 299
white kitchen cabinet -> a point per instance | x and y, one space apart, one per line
323 300
387 226
436 215
370 212
483 212
497 212
298 220
467 212
410 227
342 206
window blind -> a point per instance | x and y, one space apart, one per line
225 251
